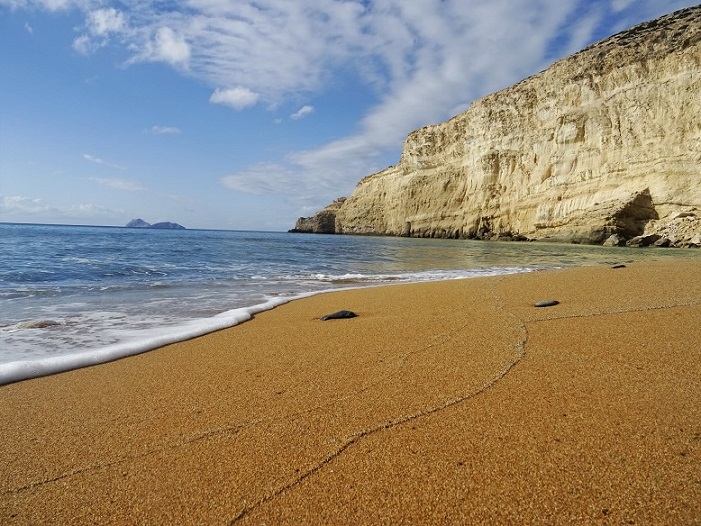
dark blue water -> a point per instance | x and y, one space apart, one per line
77 295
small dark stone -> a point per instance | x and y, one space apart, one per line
547 303
339 315
619 266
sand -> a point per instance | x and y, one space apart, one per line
444 403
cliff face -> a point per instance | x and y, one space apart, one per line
607 141
323 222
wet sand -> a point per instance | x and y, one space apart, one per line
442 403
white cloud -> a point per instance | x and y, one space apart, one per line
105 21
49 5
31 209
119 184
281 49
238 98
28 28
163 130
11 204
302 112
164 45
85 45
427 50
262 178
423 60
90 211
620 5
632 12
428 59
100 24
97 160
171 47
274 48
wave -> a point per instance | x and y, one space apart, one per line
155 337
18 370
403 277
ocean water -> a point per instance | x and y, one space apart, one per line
75 296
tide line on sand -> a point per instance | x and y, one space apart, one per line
449 402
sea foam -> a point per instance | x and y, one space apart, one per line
32 368
155 337
72 297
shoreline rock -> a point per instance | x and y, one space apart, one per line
323 222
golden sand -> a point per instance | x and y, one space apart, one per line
455 402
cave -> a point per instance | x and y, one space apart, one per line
630 220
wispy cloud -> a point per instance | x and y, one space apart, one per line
165 44
119 184
50 5
163 130
423 61
262 178
302 112
97 160
22 208
429 60
10 204
238 97
100 24
106 21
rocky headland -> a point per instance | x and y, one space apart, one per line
323 222
602 147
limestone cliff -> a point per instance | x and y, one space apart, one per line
323 222
607 141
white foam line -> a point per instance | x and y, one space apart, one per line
26 369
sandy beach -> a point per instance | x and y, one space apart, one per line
454 402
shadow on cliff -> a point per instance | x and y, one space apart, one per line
630 221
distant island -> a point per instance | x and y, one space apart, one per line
165 225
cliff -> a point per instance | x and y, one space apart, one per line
323 222
605 142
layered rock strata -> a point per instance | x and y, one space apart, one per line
605 142
323 222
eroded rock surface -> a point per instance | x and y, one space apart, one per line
607 141
323 222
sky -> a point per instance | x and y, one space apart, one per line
245 115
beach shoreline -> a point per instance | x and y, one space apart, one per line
444 402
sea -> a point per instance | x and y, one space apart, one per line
74 296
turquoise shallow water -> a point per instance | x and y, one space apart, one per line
71 295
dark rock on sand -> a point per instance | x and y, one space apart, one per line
339 315
547 303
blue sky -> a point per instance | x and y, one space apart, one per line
237 114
